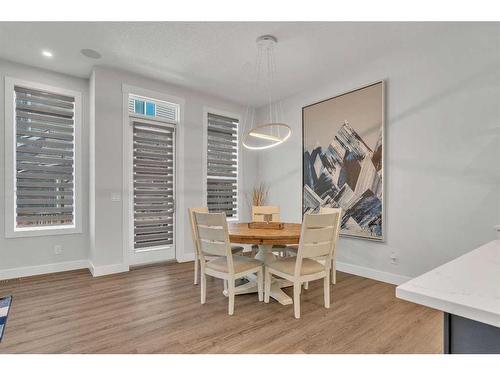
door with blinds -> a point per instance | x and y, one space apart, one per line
153 198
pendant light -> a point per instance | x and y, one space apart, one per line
272 131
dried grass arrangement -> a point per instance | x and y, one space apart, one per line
259 195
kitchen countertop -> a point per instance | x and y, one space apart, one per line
468 286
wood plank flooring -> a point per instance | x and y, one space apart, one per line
157 310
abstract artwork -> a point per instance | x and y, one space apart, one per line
4 313
343 163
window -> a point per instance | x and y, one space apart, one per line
41 132
163 111
222 165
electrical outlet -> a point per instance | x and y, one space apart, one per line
58 249
394 258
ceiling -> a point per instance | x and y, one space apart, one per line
215 57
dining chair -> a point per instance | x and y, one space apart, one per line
293 248
213 241
268 214
318 237
234 248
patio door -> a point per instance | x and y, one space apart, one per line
152 216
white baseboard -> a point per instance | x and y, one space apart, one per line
14 273
97 271
189 257
108 269
371 273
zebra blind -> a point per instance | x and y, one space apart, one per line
44 158
153 174
222 165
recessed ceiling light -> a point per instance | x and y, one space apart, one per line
47 53
91 53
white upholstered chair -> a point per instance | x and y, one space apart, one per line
234 248
213 241
317 240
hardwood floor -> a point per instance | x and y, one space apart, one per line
157 310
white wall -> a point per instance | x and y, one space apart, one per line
38 252
102 239
106 174
442 150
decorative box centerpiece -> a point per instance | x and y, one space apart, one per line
265 225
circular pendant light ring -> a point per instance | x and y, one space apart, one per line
266 136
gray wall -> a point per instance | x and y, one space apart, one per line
102 151
107 233
442 149
35 251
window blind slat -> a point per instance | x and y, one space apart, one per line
44 162
60 128
46 134
146 230
21 193
39 117
41 219
46 100
222 165
43 94
43 151
44 108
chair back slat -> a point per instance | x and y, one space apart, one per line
319 220
211 233
265 213
313 235
316 250
212 248
215 220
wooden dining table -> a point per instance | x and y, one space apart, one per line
265 239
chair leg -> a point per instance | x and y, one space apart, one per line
267 286
334 271
306 285
196 265
203 287
231 296
260 284
296 299
326 289
225 285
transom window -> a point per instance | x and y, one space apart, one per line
151 108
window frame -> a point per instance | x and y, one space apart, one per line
11 230
239 159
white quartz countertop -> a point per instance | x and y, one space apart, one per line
468 286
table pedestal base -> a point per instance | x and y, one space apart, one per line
266 255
